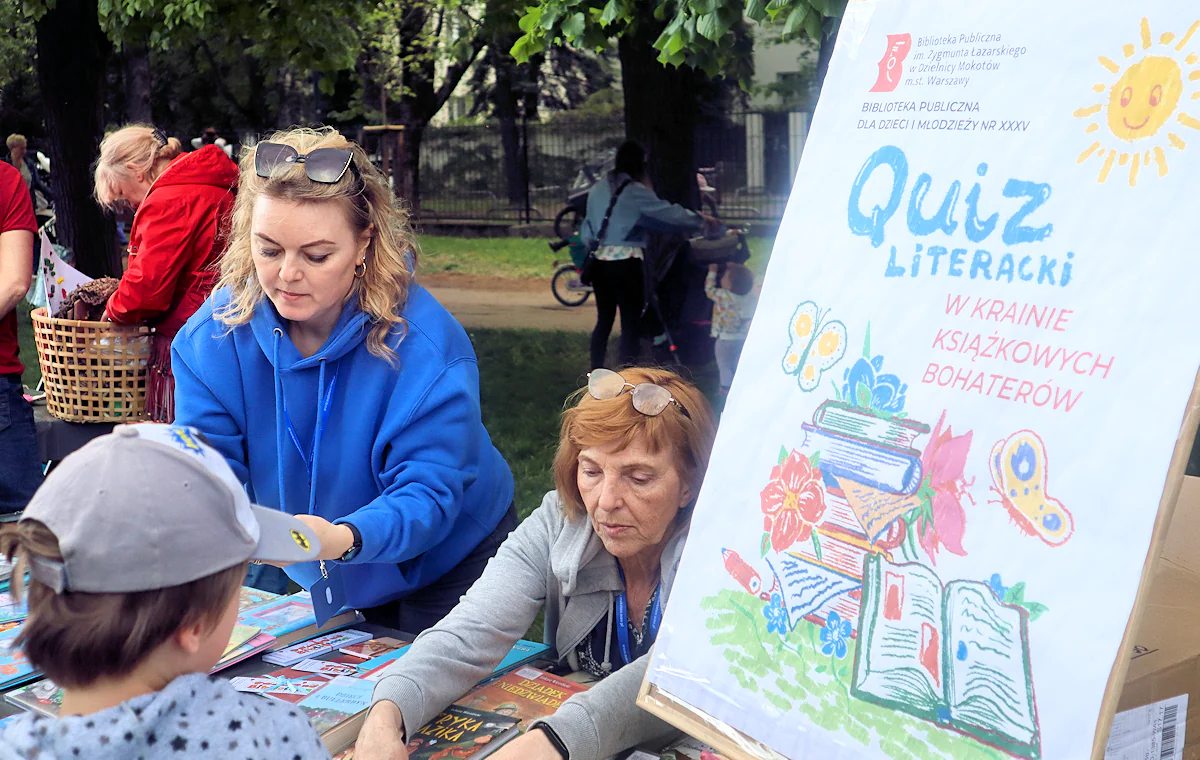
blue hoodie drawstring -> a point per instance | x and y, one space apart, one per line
279 416
282 423
322 408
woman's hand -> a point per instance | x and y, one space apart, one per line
534 745
382 735
335 540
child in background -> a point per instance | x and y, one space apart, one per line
136 546
733 308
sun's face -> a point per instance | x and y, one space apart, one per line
1143 104
1145 96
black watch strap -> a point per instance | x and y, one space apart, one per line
555 739
354 547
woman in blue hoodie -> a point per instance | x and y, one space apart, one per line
340 391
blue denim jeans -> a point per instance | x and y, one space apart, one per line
20 472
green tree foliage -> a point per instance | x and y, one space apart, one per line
697 32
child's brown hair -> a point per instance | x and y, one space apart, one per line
741 279
77 638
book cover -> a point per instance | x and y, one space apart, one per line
865 425
43 697
953 654
259 643
522 652
11 610
338 701
525 694
240 635
315 647
458 732
281 616
367 650
253 597
14 668
872 464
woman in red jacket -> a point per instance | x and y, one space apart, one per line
183 204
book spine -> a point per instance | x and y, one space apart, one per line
874 465
864 426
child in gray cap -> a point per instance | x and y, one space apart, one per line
136 546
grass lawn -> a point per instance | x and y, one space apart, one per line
522 257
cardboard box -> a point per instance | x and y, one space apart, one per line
1167 644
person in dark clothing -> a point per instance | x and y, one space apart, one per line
23 161
618 279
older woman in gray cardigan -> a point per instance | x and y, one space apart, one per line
602 548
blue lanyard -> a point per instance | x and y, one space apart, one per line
623 619
322 419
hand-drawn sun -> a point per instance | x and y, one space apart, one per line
1141 103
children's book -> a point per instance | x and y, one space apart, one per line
291 618
367 650
337 710
253 597
459 732
11 610
315 647
260 643
240 635
525 694
14 668
43 697
953 654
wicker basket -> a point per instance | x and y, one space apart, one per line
93 371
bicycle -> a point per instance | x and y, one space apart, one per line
565 284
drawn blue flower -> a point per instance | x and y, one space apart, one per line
883 391
835 634
997 586
776 616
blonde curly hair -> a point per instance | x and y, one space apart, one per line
370 204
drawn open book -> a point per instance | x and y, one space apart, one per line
952 654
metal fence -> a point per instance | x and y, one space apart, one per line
750 158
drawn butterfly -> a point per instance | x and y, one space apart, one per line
815 345
1019 466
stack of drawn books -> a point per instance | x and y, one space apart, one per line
871 476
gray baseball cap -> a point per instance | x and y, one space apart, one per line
153 506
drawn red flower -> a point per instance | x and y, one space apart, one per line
943 462
793 501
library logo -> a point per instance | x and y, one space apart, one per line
891 65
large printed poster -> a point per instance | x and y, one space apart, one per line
936 479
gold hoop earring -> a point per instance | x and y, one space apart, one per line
360 269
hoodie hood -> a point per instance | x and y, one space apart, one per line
270 330
193 716
207 166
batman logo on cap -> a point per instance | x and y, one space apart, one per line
186 440
300 540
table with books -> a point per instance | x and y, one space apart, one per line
277 651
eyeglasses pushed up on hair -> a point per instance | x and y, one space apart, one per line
324 165
647 398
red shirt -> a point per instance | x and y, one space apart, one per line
16 213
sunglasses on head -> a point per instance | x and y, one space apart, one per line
648 398
324 165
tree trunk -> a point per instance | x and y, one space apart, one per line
137 84
504 98
661 112
71 53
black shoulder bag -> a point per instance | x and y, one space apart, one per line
588 270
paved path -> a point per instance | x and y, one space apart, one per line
477 302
